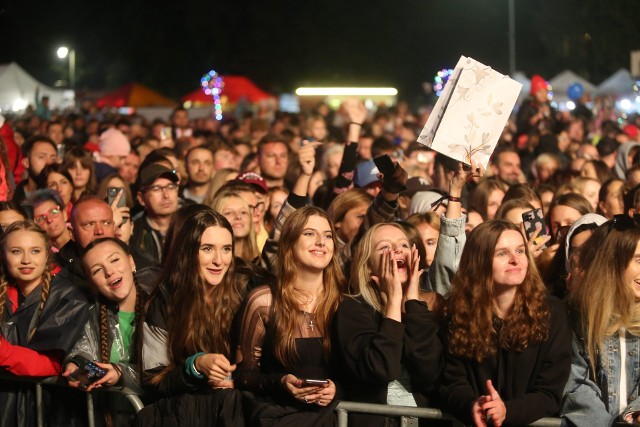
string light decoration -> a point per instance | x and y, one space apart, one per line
212 84
441 79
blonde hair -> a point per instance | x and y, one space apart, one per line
604 300
30 226
360 281
249 244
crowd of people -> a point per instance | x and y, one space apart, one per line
259 270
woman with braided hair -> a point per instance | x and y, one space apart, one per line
41 318
109 336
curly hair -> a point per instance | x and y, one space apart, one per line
286 297
473 332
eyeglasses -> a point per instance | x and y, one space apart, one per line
157 189
90 225
622 222
258 207
50 214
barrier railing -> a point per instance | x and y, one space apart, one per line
129 394
344 408
405 413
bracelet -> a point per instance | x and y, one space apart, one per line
190 365
355 123
454 199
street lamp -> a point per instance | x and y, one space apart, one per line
62 53
512 37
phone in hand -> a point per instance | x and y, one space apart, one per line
165 133
385 165
87 373
112 193
314 383
533 220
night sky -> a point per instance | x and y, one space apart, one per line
283 44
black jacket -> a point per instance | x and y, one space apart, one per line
373 350
530 383
59 327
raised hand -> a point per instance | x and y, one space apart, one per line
413 288
535 245
463 175
355 109
307 156
388 281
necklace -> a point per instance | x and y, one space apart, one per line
310 318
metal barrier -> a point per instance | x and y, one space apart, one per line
405 413
129 394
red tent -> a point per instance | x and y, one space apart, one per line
235 88
134 95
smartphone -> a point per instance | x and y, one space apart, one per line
112 193
314 383
385 165
532 220
87 373
165 133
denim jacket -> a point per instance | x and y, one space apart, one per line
593 400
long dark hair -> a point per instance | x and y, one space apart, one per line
194 324
285 297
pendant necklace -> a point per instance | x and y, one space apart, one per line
310 318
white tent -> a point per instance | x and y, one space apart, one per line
18 89
561 82
620 83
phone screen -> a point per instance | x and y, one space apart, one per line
532 221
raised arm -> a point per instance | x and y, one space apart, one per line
452 235
296 200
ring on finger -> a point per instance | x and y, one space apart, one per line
305 399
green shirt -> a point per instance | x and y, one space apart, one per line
126 325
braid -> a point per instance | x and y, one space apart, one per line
104 335
137 331
3 297
46 282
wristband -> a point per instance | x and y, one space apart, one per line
355 123
454 199
190 365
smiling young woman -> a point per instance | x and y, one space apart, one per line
507 351
284 337
110 335
187 353
33 312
